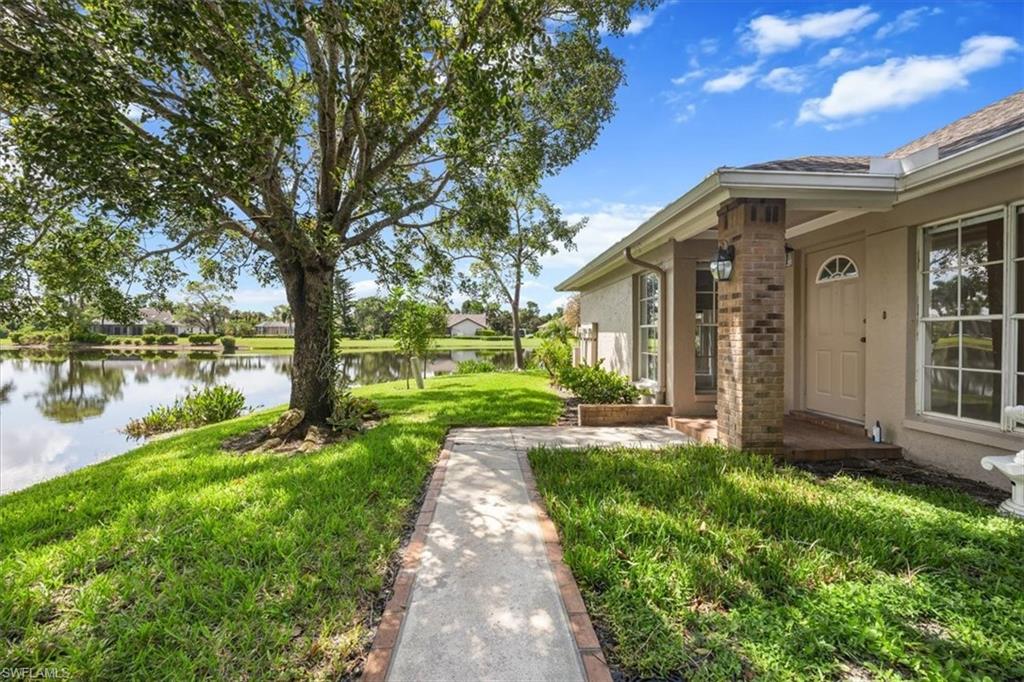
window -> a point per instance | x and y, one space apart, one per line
648 326
839 267
965 371
1016 330
706 332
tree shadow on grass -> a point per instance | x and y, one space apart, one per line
725 562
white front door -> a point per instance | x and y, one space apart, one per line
835 331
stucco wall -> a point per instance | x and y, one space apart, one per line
611 307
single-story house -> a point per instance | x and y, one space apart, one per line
275 328
860 290
147 318
463 324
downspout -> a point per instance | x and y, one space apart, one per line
662 293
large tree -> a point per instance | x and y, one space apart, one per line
284 135
205 306
504 238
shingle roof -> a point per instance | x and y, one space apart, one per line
455 318
995 120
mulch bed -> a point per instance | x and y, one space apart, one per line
904 471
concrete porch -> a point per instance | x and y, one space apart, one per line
806 437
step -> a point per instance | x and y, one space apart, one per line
701 430
832 423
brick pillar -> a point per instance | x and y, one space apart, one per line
751 330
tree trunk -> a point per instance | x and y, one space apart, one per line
313 363
419 372
517 343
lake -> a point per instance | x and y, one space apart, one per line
61 411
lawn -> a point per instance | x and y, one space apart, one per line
705 564
178 561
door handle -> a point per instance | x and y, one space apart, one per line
863 339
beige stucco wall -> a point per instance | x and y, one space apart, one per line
611 307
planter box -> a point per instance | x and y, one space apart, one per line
622 415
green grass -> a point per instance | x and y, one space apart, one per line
178 561
710 565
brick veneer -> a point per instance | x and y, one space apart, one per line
622 415
750 325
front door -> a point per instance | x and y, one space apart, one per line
835 331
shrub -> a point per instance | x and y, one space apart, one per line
228 343
56 338
202 339
593 384
149 339
87 336
138 342
182 335
475 367
350 413
3 332
167 339
154 328
199 407
16 338
486 332
553 355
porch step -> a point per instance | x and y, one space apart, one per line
701 430
832 423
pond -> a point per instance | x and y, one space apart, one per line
60 411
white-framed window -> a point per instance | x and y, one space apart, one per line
969 353
705 341
1015 287
648 287
837 267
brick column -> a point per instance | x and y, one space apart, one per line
751 332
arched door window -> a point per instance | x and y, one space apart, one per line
836 268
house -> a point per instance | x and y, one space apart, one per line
147 318
463 324
275 328
847 290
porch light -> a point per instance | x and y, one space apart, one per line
789 255
721 264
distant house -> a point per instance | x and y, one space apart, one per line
462 324
147 317
275 328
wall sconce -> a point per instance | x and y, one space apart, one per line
789 255
721 264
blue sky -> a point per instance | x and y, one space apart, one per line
729 83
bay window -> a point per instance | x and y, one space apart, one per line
970 364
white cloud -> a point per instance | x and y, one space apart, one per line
901 82
607 223
733 80
640 23
259 296
906 20
693 74
784 79
770 33
554 304
685 114
844 55
365 288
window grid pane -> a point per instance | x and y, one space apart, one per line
647 332
706 332
963 310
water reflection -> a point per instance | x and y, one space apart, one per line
60 411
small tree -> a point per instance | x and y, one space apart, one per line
415 324
505 236
344 307
205 306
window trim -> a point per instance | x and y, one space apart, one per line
641 364
705 266
1013 267
840 278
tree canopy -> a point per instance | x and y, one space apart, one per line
285 135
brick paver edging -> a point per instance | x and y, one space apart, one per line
379 659
595 668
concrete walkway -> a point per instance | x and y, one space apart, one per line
485 602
